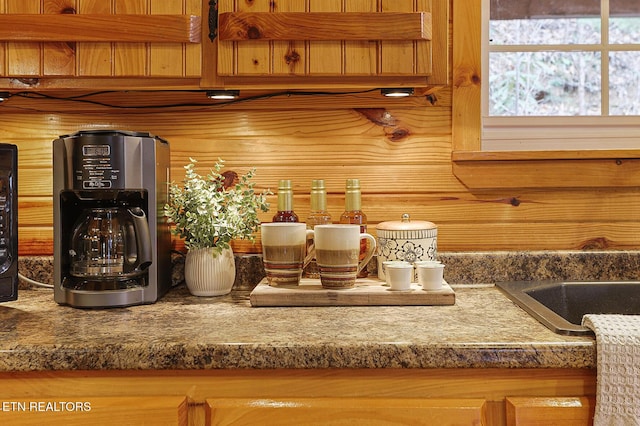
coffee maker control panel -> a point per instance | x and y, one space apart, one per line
98 161
8 222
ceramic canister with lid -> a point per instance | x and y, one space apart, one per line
407 240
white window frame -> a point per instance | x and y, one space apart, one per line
557 133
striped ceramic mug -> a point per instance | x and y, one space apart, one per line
284 251
337 249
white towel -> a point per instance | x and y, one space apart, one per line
618 377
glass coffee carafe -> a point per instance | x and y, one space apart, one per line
110 244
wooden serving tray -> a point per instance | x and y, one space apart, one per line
367 292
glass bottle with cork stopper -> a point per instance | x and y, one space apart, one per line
285 211
318 215
353 214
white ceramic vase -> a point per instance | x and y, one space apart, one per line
208 274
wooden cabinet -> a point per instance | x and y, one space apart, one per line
306 44
471 396
121 410
193 44
106 44
570 411
350 410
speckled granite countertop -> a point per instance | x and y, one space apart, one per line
483 329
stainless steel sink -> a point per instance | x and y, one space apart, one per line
561 305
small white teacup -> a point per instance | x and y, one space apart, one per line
430 274
398 275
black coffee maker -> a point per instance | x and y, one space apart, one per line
112 244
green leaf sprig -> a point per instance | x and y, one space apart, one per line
207 212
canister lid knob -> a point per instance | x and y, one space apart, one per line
405 223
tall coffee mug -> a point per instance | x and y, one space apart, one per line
284 252
337 247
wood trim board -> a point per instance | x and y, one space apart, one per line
367 292
100 28
241 26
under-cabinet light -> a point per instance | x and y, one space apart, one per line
4 96
397 92
223 94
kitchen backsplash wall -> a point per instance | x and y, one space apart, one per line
399 149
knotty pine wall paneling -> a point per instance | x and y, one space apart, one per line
399 149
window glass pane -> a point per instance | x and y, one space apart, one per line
544 83
560 30
624 30
624 27
624 87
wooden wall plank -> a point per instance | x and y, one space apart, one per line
59 58
130 59
23 59
3 46
264 133
439 49
94 59
225 51
453 237
166 59
35 240
397 57
325 57
531 236
467 72
448 209
253 57
361 57
289 57
424 64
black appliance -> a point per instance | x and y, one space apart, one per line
8 222
112 244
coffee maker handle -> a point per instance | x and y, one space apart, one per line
143 237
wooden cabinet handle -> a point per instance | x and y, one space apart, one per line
100 28
238 26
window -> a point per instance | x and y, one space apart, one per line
560 75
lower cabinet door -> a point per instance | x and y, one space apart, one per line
118 410
561 411
347 411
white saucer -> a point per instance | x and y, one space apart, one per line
400 291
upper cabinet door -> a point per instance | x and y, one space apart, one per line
58 43
328 43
